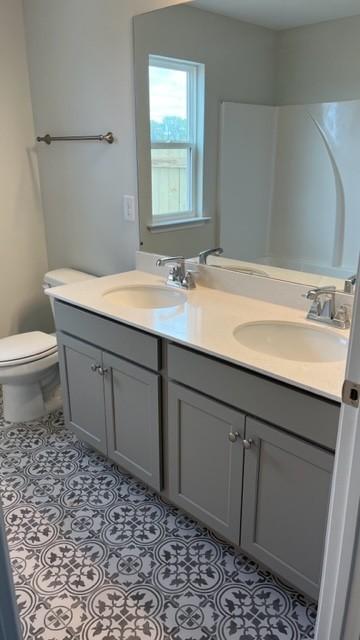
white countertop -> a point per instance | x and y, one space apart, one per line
206 322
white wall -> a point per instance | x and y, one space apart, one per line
305 160
305 202
246 178
319 63
239 66
81 59
23 259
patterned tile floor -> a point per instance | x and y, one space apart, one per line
96 556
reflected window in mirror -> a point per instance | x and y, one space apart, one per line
176 100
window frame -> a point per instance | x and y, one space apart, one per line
195 168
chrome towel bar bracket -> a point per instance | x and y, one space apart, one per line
48 139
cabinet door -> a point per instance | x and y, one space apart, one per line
83 389
205 467
285 504
133 418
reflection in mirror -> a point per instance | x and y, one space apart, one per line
176 139
249 140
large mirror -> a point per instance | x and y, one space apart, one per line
248 134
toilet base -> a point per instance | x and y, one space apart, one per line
22 403
34 400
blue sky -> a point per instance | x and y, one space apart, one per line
167 93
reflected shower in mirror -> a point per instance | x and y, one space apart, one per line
249 140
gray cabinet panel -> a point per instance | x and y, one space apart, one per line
309 416
83 391
108 334
285 504
205 468
133 419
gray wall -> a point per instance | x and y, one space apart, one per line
319 63
23 259
239 66
81 69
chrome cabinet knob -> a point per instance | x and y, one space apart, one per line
233 436
102 372
94 367
247 444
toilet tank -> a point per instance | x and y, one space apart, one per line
60 277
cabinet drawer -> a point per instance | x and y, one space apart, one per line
304 414
112 336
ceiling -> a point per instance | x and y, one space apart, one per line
282 14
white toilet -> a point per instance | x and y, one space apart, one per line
29 372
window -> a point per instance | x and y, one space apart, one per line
176 128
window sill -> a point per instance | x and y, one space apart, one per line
173 225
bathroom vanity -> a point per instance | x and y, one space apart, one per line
247 454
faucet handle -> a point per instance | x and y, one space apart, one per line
350 284
188 281
343 316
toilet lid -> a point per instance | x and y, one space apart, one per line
26 347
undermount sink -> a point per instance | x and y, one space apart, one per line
292 341
145 297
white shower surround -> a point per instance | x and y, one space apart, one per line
306 160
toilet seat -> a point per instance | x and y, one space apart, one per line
25 348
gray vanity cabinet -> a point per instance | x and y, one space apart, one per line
110 403
205 467
268 490
132 399
83 391
262 483
285 504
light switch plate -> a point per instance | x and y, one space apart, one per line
129 208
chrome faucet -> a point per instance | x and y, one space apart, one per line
323 308
203 255
350 284
178 275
